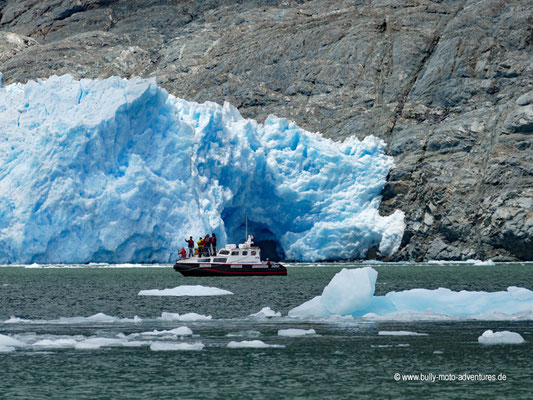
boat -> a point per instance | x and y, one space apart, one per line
232 260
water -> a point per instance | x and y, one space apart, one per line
345 359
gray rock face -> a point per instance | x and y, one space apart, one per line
447 84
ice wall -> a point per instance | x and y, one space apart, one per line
119 171
351 293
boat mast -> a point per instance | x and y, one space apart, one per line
246 218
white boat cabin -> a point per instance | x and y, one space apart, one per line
244 253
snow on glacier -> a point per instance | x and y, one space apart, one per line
351 293
118 170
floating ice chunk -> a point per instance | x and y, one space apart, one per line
250 333
167 346
96 318
189 317
186 290
293 332
252 344
503 337
97 342
266 312
56 343
119 171
181 331
351 292
8 341
400 333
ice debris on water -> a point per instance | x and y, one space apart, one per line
266 312
118 171
186 290
503 337
252 344
295 332
351 293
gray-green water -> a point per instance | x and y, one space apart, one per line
345 359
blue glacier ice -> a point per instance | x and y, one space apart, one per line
351 293
118 170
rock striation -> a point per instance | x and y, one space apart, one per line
447 84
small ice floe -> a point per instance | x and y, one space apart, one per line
293 332
167 346
96 318
56 343
503 337
252 344
95 343
266 312
250 333
181 331
8 344
400 333
186 290
189 317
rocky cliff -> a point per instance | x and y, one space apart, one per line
447 84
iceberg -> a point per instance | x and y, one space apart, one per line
119 171
351 293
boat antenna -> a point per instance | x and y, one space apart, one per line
246 218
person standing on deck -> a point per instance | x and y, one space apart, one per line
213 244
200 244
190 244
207 245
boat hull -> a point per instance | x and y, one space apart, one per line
200 269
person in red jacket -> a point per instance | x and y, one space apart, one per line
182 253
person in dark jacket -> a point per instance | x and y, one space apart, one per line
214 244
190 244
207 245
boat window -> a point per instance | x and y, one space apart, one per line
221 260
254 253
244 253
204 260
223 252
234 253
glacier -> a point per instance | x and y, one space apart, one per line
119 170
351 293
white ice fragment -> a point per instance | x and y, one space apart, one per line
400 333
503 337
293 332
189 317
168 346
181 331
186 290
266 312
252 344
8 341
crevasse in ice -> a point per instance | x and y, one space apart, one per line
118 170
